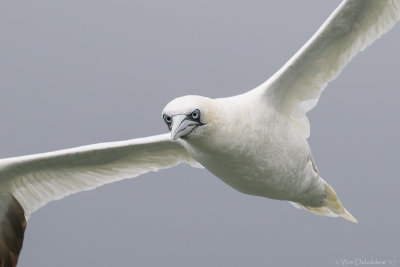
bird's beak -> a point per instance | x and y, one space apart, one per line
182 126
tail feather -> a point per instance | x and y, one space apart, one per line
332 206
346 215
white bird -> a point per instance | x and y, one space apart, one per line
255 142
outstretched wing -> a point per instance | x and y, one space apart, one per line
354 25
29 182
37 179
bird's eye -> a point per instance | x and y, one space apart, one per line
167 119
196 114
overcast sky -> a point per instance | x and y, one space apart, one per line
83 71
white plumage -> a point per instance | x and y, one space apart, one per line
37 179
255 142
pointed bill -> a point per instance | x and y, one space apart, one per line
182 126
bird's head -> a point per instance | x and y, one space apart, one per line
189 117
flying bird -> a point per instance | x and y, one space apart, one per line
255 142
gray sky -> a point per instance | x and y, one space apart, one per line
83 71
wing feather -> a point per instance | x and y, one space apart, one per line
37 179
355 24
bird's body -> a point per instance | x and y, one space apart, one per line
270 161
255 142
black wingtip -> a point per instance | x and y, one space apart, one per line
13 224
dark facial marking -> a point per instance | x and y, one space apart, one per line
195 116
168 120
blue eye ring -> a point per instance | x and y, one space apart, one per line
195 114
167 119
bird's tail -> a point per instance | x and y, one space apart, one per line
332 206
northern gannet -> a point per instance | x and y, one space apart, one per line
255 142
